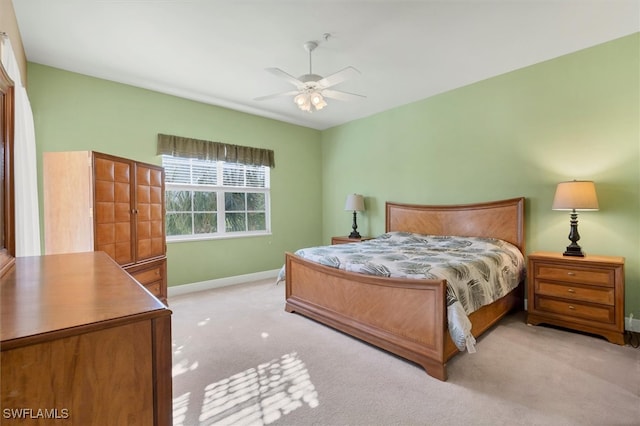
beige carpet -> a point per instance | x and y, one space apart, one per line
239 359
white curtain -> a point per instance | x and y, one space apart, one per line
25 169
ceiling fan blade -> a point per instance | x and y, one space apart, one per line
276 95
341 96
338 77
291 79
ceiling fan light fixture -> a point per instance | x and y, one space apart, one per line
318 100
306 100
300 99
303 102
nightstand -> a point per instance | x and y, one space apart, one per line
347 240
580 293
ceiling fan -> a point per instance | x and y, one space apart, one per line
311 89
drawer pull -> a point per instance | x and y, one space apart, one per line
571 290
571 274
573 308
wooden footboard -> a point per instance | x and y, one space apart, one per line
404 316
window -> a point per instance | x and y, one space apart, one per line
209 199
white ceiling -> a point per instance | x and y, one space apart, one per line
216 51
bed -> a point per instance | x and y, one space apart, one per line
406 316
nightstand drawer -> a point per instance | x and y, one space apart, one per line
347 240
601 314
602 295
591 276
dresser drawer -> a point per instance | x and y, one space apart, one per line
590 276
147 276
153 276
155 288
602 295
599 313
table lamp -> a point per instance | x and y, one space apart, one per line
355 203
575 195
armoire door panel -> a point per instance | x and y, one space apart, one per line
122 192
122 212
104 212
157 246
144 214
144 248
122 232
143 175
144 230
155 213
123 253
105 234
155 196
155 178
103 169
143 194
157 229
104 191
122 171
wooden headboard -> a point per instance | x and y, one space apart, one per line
496 219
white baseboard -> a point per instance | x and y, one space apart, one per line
221 282
632 324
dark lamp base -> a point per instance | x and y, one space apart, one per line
573 251
354 233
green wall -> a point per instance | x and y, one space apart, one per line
76 112
518 134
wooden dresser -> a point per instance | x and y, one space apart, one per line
581 293
84 343
95 201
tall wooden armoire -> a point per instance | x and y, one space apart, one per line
100 202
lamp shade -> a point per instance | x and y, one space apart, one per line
575 195
355 203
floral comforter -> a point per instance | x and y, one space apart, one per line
478 270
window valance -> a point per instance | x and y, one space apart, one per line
178 146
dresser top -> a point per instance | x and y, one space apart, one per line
44 297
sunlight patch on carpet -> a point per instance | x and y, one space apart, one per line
257 396
183 367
